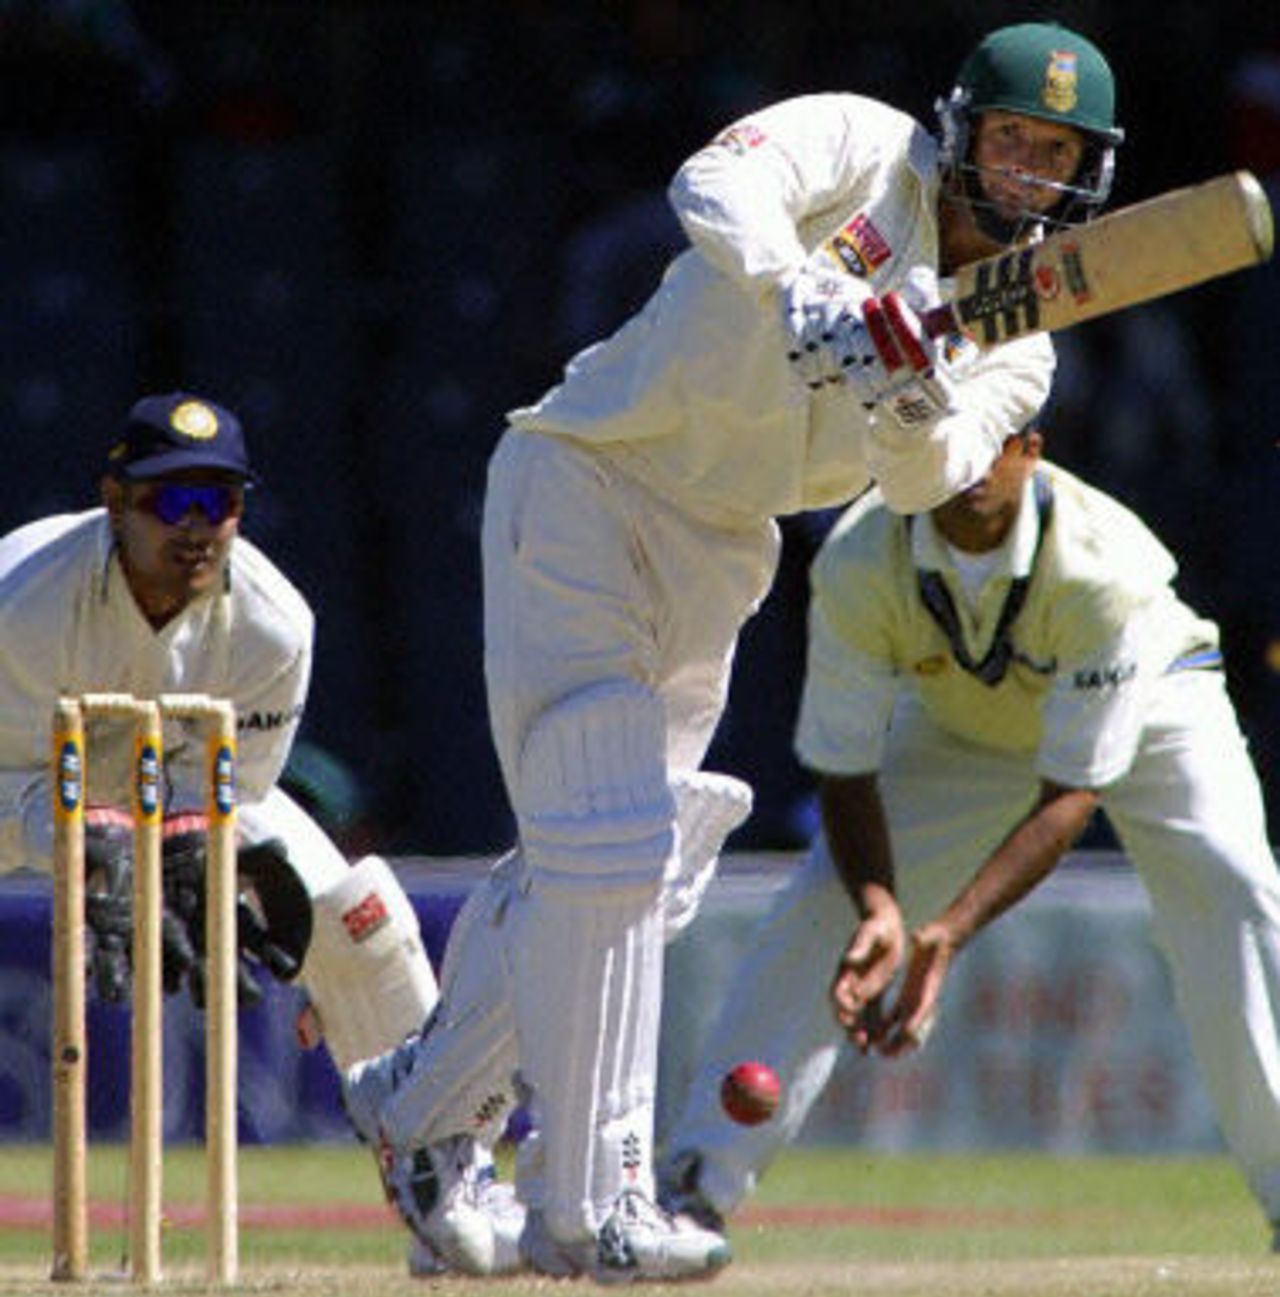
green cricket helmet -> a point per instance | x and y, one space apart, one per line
1039 70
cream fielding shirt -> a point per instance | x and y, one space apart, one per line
694 395
1100 627
68 622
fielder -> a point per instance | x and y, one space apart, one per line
155 592
980 680
629 533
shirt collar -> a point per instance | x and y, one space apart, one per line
1016 554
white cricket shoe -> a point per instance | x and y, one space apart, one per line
448 1195
447 1192
638 1242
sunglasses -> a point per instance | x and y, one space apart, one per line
172 501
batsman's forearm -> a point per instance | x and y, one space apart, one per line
1027 856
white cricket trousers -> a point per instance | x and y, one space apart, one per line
1189 815
595 586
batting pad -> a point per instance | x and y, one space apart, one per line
588 987
368 975
709 807
593 803
462 1078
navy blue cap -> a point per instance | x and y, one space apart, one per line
166 434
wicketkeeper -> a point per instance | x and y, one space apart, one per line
156 592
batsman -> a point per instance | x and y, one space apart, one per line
152 592
630 531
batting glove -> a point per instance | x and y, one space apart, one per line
889 361
816 305
108 902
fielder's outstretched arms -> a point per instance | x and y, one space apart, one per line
960 754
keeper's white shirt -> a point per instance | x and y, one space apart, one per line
1100 628
694 395
69 623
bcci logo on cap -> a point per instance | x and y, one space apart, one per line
194 419
1061 82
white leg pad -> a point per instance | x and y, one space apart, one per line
709 807
462 1079
366 970
588 982
598 826
593 803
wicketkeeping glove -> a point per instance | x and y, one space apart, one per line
278 932
185 855
108 902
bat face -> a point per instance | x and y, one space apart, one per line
1161 246
1004 302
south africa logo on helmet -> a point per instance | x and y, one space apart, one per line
1061 82
1043 70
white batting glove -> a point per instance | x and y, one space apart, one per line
815 305
888 361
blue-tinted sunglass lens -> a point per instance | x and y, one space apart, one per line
172 502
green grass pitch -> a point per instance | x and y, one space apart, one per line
825 1221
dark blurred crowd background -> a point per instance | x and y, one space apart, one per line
371 228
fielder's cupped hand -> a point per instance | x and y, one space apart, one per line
911 1020
864 974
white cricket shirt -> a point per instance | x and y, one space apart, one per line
694 395
69 623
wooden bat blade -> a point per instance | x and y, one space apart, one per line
1151 249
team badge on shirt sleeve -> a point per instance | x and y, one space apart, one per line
859 247
741 138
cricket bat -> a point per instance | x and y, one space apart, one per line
1163 245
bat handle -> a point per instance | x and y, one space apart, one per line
939 321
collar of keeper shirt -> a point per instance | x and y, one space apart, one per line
1019 553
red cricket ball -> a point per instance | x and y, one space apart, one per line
750 1093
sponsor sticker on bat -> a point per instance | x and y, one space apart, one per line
1047 282
1073 268
1003 303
